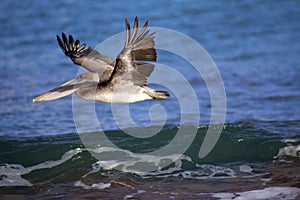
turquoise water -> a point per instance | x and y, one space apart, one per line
256 48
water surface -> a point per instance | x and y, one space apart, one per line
256 48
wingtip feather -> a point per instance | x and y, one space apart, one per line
71 43
146 24
127 32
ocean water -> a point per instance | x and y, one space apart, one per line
255 46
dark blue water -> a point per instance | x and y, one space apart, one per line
255 46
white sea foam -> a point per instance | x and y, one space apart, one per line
11 174
246 169
138 163
131 196
141 164
204 171
218 171
274 193
100 185
290 140
290 150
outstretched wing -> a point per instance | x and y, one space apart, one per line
139 47
85 56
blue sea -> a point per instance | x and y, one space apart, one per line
255 46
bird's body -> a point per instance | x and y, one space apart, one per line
115 81
110 95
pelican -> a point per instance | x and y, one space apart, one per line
123 80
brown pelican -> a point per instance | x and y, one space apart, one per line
117 81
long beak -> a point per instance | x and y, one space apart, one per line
87 79
59 92
41 97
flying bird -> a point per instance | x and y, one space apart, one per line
123 80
